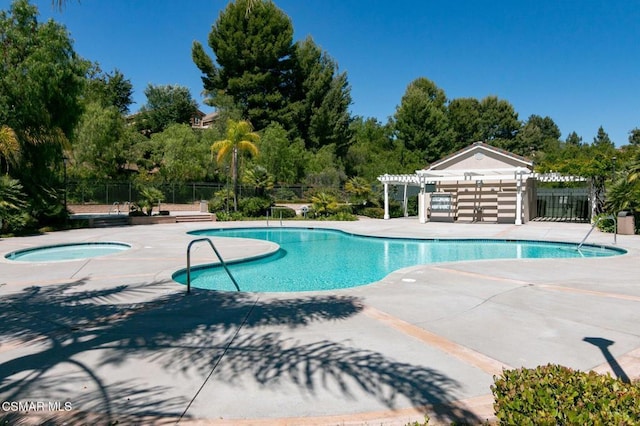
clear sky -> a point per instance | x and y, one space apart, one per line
577 62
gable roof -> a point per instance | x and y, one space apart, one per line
483 148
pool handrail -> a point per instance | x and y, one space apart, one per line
271 209
215 250
615 230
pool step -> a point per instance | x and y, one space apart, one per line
106 222
196 218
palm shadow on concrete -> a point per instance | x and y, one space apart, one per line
603 345
71 326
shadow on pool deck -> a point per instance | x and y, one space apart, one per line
74 343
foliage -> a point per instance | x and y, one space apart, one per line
373 212
421 121
284 212
165 105
284 159
554 394
182 153
13 217
9 147
321 98
41 80
253 54
149 198
220 201
324 204
324 169
240 139
259 179
254 206
359 190
108 89
100 148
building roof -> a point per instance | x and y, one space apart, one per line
481 147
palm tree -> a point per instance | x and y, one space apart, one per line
240 138
9 145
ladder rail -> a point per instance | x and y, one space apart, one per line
615 230
215 250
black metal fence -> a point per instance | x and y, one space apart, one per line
93 192
563 204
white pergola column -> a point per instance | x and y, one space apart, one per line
386 201
405 201
518 199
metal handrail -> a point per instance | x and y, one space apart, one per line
271 210
615 229
117 207
222 262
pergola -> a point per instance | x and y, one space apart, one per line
428 176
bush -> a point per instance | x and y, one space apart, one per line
343 216
286 212
606 224
374 212
223 216
554 394
254 206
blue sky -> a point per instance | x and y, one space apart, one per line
577 62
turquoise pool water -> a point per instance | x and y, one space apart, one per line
60 252
320 259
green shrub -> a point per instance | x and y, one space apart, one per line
557 395
374 212
284 212
605 223
223 216
254 206
284 194
343 216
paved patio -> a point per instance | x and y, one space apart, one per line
118 341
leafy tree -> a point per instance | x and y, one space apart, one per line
374 151
465 118
573 139
182 153
500 124
324 169
634 137
166 105
602 140
99 147
321 98
252 52
285 160
421 121
109 89
41 80
538 134
240 138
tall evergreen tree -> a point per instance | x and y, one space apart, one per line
500 124
252 60
320 98
421 122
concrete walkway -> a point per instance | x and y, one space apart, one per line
114 339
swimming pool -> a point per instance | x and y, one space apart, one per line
60 252
322 259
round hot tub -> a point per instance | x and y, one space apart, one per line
61 252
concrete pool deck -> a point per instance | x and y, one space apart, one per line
117 340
